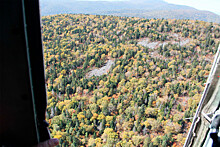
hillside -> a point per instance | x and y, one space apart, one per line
138 8
152 77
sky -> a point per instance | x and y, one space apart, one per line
210 5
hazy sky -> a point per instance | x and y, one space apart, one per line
210 5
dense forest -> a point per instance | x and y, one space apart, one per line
124 82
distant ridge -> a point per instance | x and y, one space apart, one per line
137 8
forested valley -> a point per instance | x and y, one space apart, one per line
124 81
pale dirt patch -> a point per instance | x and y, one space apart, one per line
153 45
100 71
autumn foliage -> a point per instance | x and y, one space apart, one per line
147 93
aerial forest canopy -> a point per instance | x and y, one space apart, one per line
120 81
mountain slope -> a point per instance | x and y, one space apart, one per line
139 8
192 14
